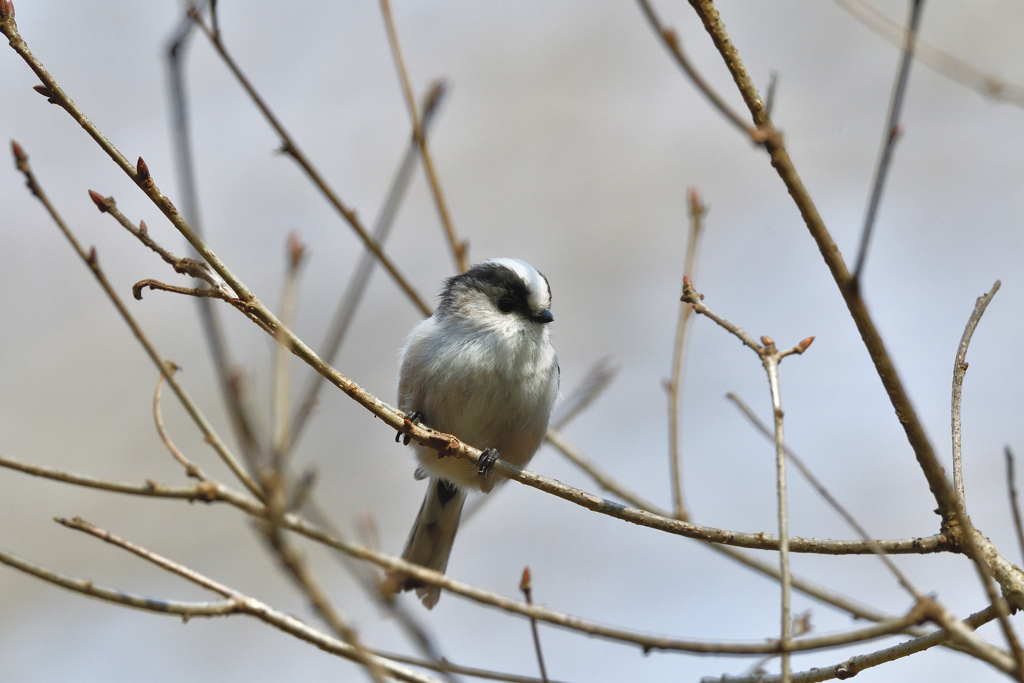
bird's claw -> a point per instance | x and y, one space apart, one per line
486 463
414 417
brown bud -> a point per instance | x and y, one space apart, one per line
524 583
142 227
99 200
695 202
142 171
687 282
671 38
92 256
767 341
19 153
805 343
296 250
42 90
6 9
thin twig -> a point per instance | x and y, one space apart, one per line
674 384
90 259
970 538
526 587
458 248
851 667
282 358
191 469
959 370
957 70
1014 507
350 300
671 40
288 146
892 133
770 360
825 494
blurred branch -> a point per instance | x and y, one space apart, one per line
191 469
289 147
527 589
1014 507
944 63
826 495
586 391
674 384
419 134
892 133
353 295
243 421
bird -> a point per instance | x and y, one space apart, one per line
483 369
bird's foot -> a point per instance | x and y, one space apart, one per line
486 463
414 417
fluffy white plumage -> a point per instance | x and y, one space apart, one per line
481 368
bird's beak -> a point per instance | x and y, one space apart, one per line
544 317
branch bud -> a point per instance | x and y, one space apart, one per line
42 89
802 346
767 341
142 171
296 250
99 200
142 227
19 153
524 583
6 9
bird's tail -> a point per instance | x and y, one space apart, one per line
430 541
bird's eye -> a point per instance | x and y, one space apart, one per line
505 305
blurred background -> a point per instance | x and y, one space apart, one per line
568 139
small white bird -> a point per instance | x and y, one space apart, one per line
483 369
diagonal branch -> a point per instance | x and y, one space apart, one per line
892 133
419 134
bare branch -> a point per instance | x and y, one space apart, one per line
957 70
959 370
289 147
671 40
892 133
855 665
353 295
191 469
458 248
674 384
1014 507
90 259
